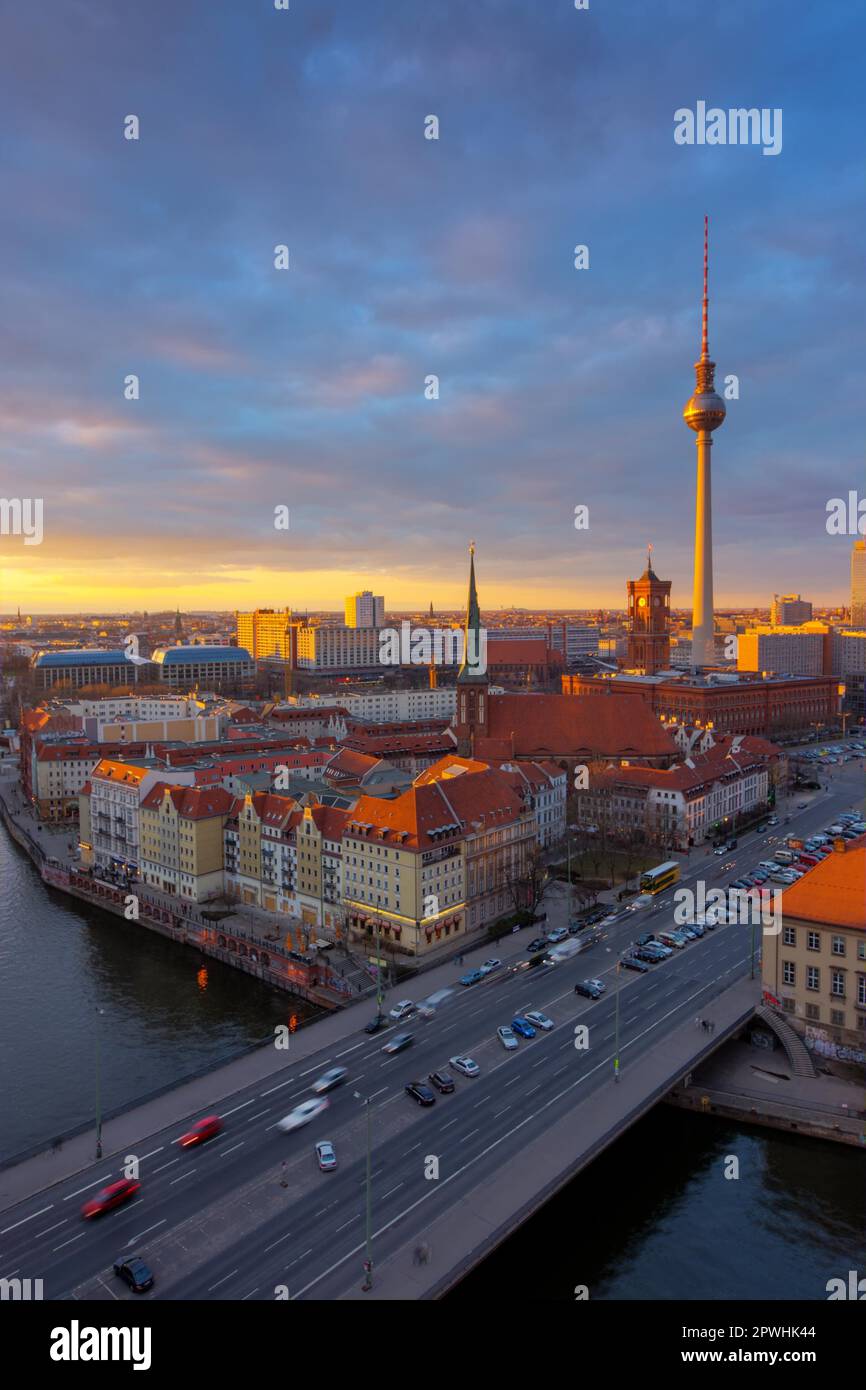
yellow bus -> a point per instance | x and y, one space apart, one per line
658 879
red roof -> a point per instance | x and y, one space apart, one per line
834 891
435 813
567 726
193 803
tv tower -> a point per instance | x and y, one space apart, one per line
703 413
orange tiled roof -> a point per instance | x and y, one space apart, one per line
119 772
193 803
834 891
554 726
436 813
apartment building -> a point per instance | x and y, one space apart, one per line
389 706
113 812
182 839
815 969
365 609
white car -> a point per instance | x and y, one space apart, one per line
539 1020
507 1038
488 966
329 1079
302 1114
326 1155
465 1066
405 1009
558 934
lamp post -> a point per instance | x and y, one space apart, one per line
368 1242
99 1013
616 1028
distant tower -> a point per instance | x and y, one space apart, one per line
178 627
432 614
649 600
703 413
472 680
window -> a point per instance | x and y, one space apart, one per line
813 941
837 984
813 977
789 972
838 946
789 936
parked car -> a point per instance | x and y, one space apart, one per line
398 1043
647 954
420 1092
522 1026
539 1020
303 1114
134 1272
442 1081
591 989
326 1155
633 962
377 1022
507 1038
472 977
334 1076
405 1009
558 934
538 943
465 1065
114 1195
488 966
205 1129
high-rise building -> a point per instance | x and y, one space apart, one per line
365 609
858 584
267 632
703 413
790 651
649 601
789 610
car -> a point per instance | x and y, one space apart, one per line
334 1076
398 1043
522 1026
538 943
723 849
698 928
442 1081
557 935
134 1272
539 1020
657 945
403 1010
688 932
608 920
738 883
633 962
326 1155
465 1065
205 1129
303 1114
591 989
762 827
507 1038
772 820
420 1092
378 1021
802 805
488 966
646 954
114 1195
472 977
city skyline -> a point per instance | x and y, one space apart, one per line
305 389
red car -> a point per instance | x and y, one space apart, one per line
205 1129
112 1196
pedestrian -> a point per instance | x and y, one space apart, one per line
697 1023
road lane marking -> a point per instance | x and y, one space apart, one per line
145 1231
469 1135
350 1049
345 1224
318 1065
68 1242
275 1244
378 1093
152 1152
391 1191
299 1257
235 1147
163 1166
41 1212
278 1088
182 1177
501 1112
222 1281
55 1227
250 1118
449 1124
243 1106
78 1191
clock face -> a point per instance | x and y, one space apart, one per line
641 601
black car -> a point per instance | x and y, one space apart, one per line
589 990
134 1272
420 1092
635 963
645 939
538 944
647 954
376 1023
762 827
442 1081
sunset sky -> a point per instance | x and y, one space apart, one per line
409 257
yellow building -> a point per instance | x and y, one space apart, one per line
816 966
181 839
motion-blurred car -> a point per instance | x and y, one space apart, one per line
204 1130
134 1272
398 1042
522 1026
472 977
539 1020
326 1156
110 1197
302 1114
334 1076
465 1066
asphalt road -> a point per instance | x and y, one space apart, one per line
215 1223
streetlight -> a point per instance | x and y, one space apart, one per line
368 1243
616 1028
99 1014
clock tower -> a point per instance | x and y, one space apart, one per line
649 613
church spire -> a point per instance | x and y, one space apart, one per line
474 666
